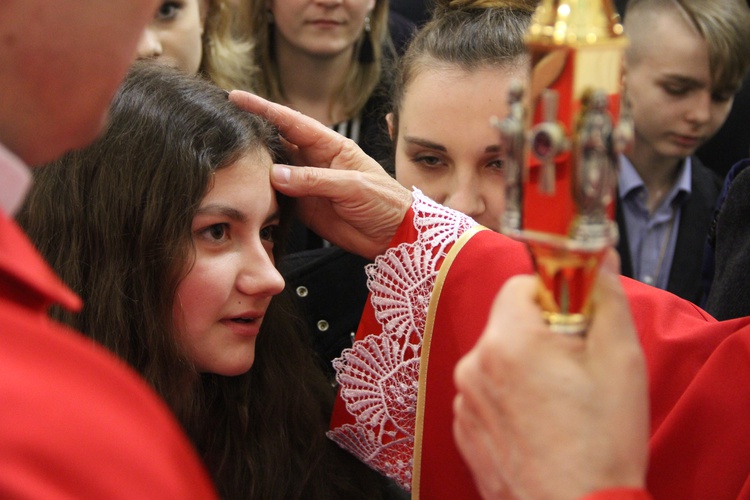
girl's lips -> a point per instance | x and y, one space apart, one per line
246 326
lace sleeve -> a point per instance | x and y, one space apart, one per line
378 376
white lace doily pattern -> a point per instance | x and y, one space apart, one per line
378 376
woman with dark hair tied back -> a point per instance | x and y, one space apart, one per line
168 228
453 78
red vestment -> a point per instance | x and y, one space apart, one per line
394 409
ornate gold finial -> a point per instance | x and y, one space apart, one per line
560 201
575 23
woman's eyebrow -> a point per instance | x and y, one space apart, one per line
425 143
226 211
234 214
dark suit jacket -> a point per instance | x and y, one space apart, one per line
695 221
331 289
730 292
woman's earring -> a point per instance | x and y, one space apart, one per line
366 50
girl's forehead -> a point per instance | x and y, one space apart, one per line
242 191
250 169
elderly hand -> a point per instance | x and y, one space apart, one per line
350 201
546 415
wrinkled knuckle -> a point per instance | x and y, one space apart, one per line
493 356
309 176
359 178
348 144
461 374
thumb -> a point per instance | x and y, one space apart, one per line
305 181
281 176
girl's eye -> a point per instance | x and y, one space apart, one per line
269 233
168 10
216 232
426 160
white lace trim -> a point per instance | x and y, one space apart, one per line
378 375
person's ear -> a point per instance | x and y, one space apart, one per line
391 130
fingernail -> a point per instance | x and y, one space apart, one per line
281 174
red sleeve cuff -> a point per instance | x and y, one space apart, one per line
618 494
406 232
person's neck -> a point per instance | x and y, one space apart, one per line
659 173
310 83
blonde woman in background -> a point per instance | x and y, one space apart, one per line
324 58
196 37
453 78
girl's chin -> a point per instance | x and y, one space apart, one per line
230 371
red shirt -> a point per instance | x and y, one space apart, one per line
75 422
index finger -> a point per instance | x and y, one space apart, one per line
297 128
